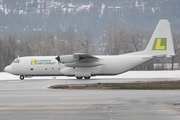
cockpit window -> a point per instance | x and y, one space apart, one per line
16 61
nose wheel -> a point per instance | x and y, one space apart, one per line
21 77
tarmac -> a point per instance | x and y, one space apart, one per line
31 99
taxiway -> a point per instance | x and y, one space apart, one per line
30 99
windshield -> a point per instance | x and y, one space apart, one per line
16 61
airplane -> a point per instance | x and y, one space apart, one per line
82 65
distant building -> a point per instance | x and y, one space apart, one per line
166 66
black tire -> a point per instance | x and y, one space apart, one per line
21 77
79 77
87 77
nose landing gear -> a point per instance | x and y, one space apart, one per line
21 77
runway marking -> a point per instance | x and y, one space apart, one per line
15 81
27 107
171 107
46 86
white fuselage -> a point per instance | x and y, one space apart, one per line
49 66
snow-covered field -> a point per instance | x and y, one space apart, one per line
130 74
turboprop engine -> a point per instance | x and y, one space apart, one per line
78 60
67 58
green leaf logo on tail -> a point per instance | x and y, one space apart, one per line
160 44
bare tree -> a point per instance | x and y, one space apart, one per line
1 54
115 37
60 42
136 39
86 42
70 38
176 41
108 38
11 43
50 44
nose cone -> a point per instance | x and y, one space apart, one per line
8 69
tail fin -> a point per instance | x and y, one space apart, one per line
161 41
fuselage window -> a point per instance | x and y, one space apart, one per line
16 61
58 68
31 68
52 68
46 68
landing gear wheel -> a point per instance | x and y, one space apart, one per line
88 77
79 77
21 77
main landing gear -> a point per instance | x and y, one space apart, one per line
86 77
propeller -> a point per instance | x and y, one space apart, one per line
58 59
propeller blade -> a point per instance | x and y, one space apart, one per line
58 59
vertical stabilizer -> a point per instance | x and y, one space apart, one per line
161 41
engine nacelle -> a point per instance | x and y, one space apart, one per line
68 59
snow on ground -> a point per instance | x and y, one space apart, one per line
129 74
